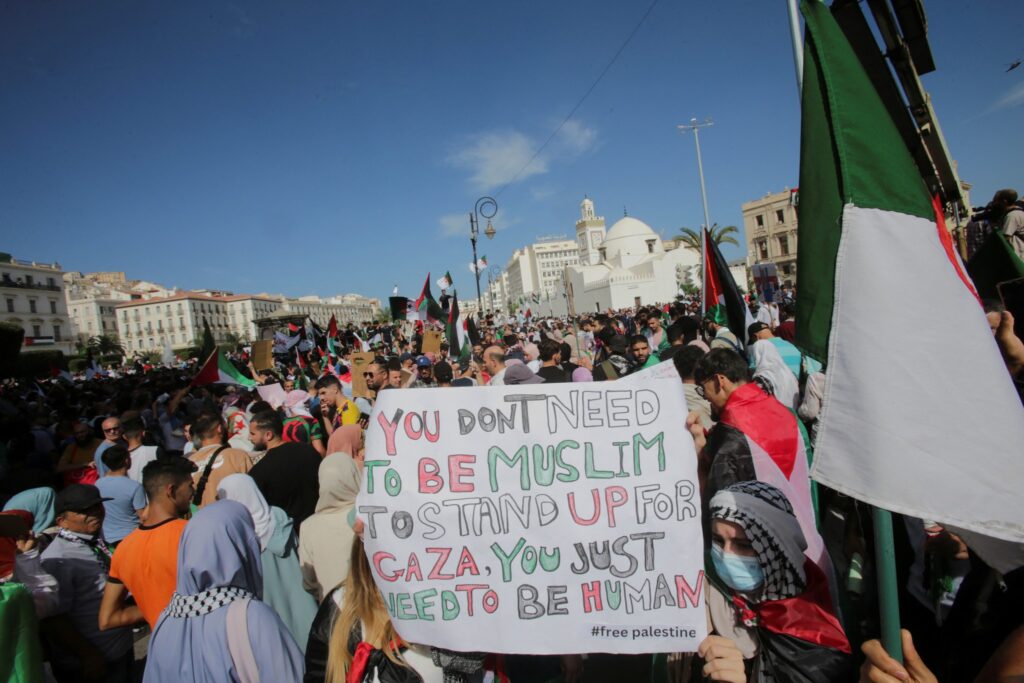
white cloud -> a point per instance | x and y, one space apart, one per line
499 157
576 138
454 224
495 158
1014 97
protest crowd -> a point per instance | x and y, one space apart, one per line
218 518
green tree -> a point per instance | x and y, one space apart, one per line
720 234
232 341
105 345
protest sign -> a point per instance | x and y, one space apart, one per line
536 519
262 355
666 369
360 361
274 394
431 342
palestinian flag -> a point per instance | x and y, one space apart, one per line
473 332
399 307
425 306
919 412
446 281
457 332
722 302
219 370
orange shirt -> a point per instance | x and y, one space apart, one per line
146 562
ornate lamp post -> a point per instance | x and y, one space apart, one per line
486 207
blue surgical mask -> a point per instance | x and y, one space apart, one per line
738 572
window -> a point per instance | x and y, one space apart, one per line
32 305
760 221
56 333
50 282
53 306
37 331
784 245
10 305
787 269
780 216
762 247
29 281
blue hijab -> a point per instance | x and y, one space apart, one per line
218 549
40 503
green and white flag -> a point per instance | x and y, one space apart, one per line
457 332
446 281
919 412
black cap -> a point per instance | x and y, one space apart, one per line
78 498
755 328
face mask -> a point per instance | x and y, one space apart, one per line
738 572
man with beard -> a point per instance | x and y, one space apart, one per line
214 459
288 475
78 458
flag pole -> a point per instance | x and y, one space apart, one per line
798 44
885 567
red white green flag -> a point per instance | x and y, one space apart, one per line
919 412
722 302
219 370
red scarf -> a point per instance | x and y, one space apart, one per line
8 547
808 616
766 422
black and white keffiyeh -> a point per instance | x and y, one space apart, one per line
205 602
767 518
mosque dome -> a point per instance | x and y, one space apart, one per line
630 240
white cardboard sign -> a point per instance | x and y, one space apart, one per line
542 519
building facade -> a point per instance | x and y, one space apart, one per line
33 297
535 272
151 324
770 225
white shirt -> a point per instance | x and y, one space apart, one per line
498 380
141 456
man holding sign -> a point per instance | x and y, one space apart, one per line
537 519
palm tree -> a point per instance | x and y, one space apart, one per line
720 234
105 345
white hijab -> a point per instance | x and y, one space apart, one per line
768 363
242 488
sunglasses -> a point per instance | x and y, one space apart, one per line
368 374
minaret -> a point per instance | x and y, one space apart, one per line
589 234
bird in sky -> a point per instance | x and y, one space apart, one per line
1014 65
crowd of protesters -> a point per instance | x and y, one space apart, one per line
223 525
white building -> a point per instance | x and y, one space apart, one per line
535 271
92 301
627 266
149 324
33 296
243 309
346 308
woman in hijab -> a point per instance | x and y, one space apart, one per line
215 627
282 578
347 439
766 595
773 375
327 536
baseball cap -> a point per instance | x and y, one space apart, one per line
423 362
755 328
405 356
77 498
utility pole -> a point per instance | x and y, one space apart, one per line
695 127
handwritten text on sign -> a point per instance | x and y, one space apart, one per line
536 519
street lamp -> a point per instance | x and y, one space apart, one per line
695 127
486 207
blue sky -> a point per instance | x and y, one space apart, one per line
326 147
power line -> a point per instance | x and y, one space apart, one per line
583 99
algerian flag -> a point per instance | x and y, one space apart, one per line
363 346
919 413
482 263
446 281
219 370
457 332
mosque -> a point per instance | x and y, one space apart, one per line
628 265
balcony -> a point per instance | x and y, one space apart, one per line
9 283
